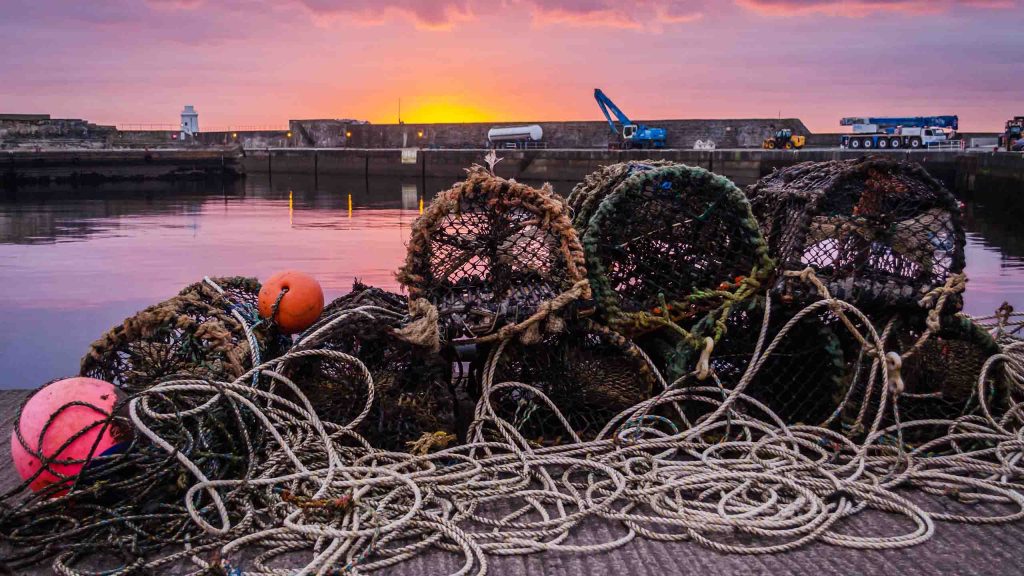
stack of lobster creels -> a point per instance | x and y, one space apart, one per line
651 275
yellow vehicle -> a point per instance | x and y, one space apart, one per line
784 139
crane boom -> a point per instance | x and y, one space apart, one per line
633 135
909 122
606 105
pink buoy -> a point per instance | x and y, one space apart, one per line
47 402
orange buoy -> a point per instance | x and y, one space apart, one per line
51 412
298 297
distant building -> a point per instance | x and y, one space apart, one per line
189 122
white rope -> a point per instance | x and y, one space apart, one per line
738 479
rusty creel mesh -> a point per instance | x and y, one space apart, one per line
194 334
666 242
879 233
589 373
491 252
412 392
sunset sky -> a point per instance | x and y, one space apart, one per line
262 62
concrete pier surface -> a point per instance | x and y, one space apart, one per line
954 549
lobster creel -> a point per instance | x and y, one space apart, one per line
800 380
667 243
879 233
939 377
409 382
588 373
200 333
495 258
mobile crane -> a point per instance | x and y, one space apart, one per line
908 132
633 135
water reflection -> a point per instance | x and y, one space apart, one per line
995 258
76 261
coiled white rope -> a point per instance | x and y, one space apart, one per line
737 479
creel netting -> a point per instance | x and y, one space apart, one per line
879 233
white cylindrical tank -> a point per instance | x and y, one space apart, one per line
532 132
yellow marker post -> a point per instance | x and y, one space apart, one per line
291 207
349 205
421 205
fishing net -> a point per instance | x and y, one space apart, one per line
209 330
939 372
127 507
589 373
802 380
495 258
667 244
412 395
879 233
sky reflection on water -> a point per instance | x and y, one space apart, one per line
76 262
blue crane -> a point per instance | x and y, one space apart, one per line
633 135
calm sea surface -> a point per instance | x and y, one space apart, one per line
74 263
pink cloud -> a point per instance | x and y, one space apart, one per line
651 15
861 8
641 14
175 4
447 14
428 14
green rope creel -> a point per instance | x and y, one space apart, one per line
802 380
668 246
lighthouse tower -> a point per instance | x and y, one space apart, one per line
189 122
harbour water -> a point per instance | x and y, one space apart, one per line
75 262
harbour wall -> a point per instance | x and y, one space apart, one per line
39 131
92 166
990 177
729 133
967 172
27 131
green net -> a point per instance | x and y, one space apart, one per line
667 243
